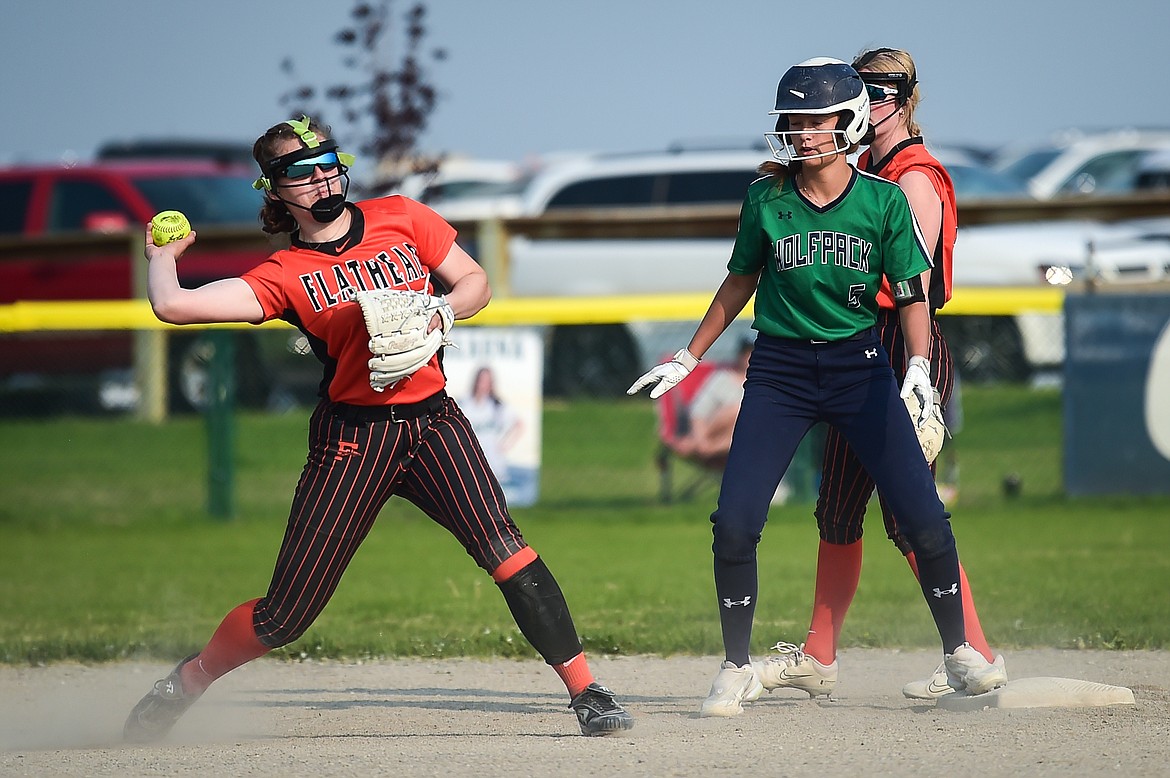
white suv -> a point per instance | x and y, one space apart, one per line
630 182
1080 163
597 359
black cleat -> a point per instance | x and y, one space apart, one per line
598 713
155 714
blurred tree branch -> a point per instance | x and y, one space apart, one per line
384 106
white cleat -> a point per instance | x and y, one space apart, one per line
967 671
929 688
732 687
791 668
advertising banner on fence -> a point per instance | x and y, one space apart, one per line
495 375
1117 394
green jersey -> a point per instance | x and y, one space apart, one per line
822 266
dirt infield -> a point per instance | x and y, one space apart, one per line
486 718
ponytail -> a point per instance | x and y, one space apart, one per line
778 171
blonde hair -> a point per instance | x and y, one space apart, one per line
894 61
777 171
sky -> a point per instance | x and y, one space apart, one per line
524 78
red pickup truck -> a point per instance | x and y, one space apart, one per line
114 196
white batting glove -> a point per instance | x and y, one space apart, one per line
664 377
917 382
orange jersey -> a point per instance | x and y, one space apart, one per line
909 155
393 243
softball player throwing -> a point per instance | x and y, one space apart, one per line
370 437
896 152
816 238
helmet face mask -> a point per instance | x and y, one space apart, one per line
786 143
819 86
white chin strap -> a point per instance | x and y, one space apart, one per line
785 150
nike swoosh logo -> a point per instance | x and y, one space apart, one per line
937 688
790 676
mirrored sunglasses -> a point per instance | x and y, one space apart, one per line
880 93
304 168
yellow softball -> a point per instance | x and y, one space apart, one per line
169 226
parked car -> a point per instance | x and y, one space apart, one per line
1078 162
468 188
116 196
664 180
973 178
1020 254
601 359
596 359
1154 171
222 152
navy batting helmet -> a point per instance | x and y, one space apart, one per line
818 86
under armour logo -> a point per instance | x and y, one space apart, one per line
870 353
783 214
727 602
938 593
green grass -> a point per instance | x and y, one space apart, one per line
107 551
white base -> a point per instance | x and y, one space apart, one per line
1041 693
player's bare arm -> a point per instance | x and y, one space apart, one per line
467 281
915 321
927 208
732 295
925 203
229 299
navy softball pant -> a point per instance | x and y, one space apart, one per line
357 461
846 485
792 385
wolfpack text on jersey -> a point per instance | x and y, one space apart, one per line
822 265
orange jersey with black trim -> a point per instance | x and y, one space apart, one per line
393 243
909 155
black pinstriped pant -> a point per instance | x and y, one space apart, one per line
354 467
845 485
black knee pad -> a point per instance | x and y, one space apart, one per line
933 541
734 546
541 613
900 542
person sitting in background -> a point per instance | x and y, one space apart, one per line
711 414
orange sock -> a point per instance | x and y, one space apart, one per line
233 644
971 625
838 571
575 673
